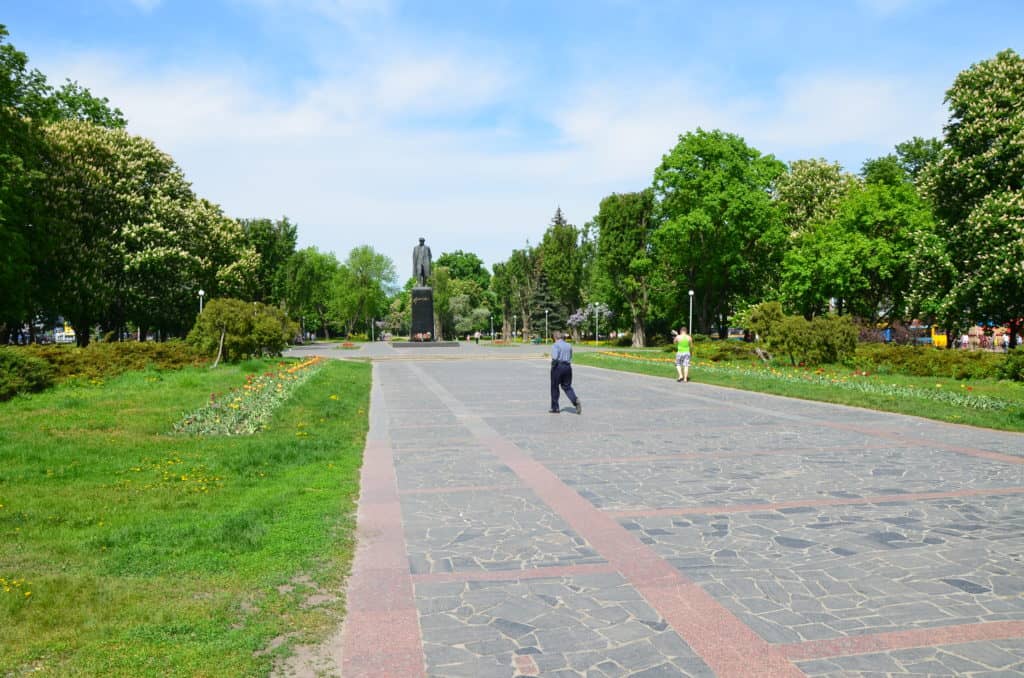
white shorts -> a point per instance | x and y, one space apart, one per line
683 359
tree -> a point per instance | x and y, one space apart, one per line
466 306
274 241
546 313
976 187
308 278
625 224
884 220
917 155
501 289
27 104
361 288
443 292
560 256
811 192
859 258
821 265
130 240
522 270
465 266
721 233
92 192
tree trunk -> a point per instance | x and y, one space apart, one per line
220 347
1014 330
81 333
639 334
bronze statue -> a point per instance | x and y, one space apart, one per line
421 263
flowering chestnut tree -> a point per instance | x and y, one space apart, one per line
977 186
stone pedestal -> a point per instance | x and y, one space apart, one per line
423 312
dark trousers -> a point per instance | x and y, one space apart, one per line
561 375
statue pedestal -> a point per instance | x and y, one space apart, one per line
423 312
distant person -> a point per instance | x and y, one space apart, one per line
561 373
476 336
684 347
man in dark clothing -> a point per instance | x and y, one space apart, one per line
561 374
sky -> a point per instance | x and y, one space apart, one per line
377 122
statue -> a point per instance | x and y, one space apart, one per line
421 263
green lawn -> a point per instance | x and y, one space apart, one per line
126 550
980 402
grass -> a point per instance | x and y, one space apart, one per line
137 552
985 403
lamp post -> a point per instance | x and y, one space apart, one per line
545 325
513 327
689 328
596 318
492 328
371 330
201 295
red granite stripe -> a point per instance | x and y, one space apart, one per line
800 503
718 454
727 645
900 640
380 594
382 645
902 437
454 488
514 575
879 433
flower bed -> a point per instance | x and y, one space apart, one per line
244 410
857 380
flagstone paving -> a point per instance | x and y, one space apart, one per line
673 530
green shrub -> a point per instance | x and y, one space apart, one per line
764 318
1012 366
241 329
100 360
824 340
624 340
835 339
927 361
718 351
22 373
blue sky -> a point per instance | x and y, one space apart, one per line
380 121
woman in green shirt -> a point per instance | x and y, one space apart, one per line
683 349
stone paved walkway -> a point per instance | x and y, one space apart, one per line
673 530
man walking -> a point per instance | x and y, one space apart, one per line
561 373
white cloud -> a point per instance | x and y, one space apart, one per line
626 127
347 158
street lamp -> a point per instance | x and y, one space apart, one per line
513 327
492 328
201 295
596 317
545 325
689 328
